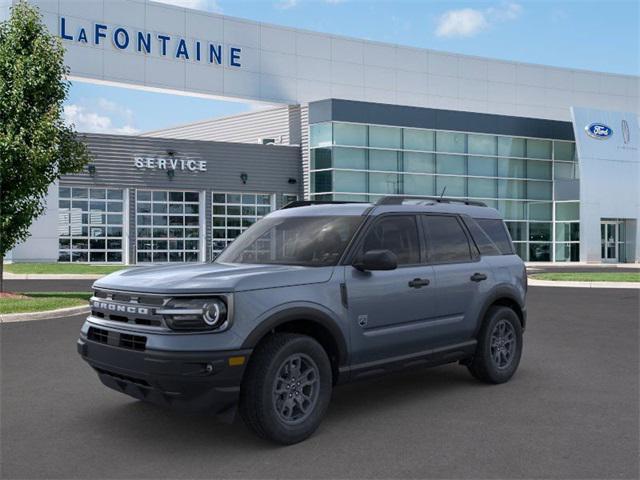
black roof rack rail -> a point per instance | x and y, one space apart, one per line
306 203
398 199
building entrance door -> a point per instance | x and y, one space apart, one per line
609 232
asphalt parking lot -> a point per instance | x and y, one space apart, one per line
570 412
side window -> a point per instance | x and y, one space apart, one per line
484 243
398 234
446 240
497 232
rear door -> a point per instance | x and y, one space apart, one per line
461 276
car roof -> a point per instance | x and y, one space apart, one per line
355 209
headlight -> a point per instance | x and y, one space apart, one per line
196 314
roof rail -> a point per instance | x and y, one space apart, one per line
399 199
306 203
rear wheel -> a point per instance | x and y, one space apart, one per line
286 389
499 346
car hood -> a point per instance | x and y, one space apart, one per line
211 278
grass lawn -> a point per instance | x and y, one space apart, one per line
60 268
589 276
42 301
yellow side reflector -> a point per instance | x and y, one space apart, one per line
236 361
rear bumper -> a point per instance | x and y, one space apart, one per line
183 380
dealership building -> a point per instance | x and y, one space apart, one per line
555 150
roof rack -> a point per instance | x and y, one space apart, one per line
306 203
399 200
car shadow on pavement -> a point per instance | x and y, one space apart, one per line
137 421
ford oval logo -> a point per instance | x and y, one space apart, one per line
599 131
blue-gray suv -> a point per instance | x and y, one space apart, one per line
314 295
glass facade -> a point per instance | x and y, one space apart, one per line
167 226
233 213
358 162
90 225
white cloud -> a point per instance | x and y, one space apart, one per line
467 22
207 5
286 4
104 117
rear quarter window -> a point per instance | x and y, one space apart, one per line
497 232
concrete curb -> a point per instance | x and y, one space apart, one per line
50 276
49 314
552 283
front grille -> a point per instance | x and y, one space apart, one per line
133 342
98 335
130 308
122 340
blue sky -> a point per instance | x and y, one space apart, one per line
600 35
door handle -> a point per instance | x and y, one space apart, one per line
419 282
478 277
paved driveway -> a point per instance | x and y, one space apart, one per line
570 412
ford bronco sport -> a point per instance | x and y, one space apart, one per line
311 296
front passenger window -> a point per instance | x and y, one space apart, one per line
398 234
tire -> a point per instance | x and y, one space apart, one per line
497 364
273 405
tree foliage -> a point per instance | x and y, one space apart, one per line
36 147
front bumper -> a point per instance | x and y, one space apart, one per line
183 380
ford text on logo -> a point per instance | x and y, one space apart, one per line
156 44
599 131
115 307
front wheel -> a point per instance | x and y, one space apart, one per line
499 346
286 389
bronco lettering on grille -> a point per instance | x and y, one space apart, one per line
116 307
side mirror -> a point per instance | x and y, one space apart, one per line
376 260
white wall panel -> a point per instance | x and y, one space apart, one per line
203 27
498 71
380 55
244 34
163 18
313 45
379 77
287 64
343 50
475 68
411 59
118 66
411 81
309 68
443 64
124 12
443 86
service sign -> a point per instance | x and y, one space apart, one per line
170 163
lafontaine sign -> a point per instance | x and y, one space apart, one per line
163 45
172 163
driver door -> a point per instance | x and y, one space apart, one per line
389 313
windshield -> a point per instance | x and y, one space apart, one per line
307 241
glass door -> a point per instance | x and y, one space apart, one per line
609 241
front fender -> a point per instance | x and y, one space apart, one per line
300 311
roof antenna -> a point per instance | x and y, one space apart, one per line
444 189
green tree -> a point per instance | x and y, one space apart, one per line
36 147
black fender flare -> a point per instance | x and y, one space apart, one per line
502 292
300 313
